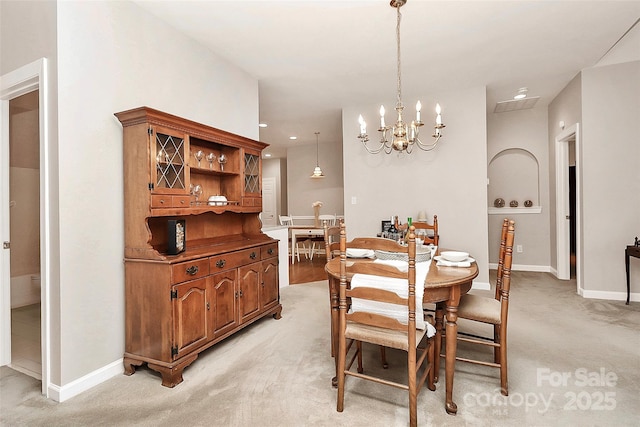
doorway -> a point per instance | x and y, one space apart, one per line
568 212
24 236
30 80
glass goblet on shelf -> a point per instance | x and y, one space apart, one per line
162 157
197 192
199 155
211 158
222 159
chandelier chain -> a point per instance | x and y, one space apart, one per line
399 101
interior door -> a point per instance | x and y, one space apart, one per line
269 210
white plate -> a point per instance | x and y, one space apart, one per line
454 256
359 253
440 258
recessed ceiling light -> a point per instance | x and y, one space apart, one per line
267 154
293 137
522 93
262 125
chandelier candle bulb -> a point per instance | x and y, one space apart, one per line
363 125
382 116
418 108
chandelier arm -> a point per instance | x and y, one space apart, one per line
428 147
375 150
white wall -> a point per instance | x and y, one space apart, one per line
114 56
302 190
611 176
526 129
450 181
566 107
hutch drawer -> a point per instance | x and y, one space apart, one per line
189 270
233 259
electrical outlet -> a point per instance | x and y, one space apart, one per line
519 249
353 200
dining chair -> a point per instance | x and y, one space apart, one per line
427 237
493 311
331 240
317 242
300 240
395 324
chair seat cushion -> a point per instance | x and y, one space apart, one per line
381 336
481 309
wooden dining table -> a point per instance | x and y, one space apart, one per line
443 286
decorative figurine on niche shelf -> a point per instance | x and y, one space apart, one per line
498 203
528 203
513 203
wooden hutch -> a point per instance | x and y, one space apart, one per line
195 272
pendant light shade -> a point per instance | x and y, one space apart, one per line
317 172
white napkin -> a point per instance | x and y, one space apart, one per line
398 286
360 253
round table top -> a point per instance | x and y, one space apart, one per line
438 277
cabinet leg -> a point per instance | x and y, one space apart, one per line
130 365
171 377
277 314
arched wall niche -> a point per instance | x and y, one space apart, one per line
514 174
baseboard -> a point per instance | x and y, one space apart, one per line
481 286
611 295
92 379
525 267
25 290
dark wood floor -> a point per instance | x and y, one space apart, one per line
307 270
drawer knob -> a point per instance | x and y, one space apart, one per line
270 251
192 270
220 263
253 255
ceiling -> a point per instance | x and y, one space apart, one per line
312 57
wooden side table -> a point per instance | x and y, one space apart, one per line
633 251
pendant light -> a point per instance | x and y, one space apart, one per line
317 172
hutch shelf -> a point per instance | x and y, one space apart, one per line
195 272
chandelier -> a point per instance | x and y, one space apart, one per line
403 135
317 172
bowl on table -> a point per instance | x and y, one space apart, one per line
454 256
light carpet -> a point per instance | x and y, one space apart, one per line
572 361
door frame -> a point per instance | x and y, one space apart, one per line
30 77
563 270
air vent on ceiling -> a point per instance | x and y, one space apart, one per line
513 105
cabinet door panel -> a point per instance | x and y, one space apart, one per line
190 316
168 162
269 283
249 283
225 302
